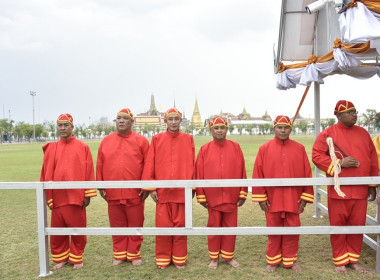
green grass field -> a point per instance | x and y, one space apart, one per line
19 247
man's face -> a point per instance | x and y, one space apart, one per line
65 130
348 118
219 132
173 121
282 131
124 124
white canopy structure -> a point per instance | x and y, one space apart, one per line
340 37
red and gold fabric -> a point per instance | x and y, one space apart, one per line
125 112
355 142
69 160
217 120
65 118
223 245
282 248
172 111
351 141
126 213
346 247
282 120
221 160
343 106
282 159
170 248
171 156
62 249
122 158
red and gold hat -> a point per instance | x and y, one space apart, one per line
125 111
172 111
65 118
282 120
217 120
343 106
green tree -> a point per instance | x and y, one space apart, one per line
368 119
231 128
39 128
240 128
5 129
302 125
250 128
22 130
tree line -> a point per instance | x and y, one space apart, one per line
23 132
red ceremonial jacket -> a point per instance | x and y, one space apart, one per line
121 158
69 160
171 156
355 142
282 159
220 160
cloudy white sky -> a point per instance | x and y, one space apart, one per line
91 58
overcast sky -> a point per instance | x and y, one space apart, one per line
91 58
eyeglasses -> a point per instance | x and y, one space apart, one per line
352 112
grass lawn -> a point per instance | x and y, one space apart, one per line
19 247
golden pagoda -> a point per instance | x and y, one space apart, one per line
196 119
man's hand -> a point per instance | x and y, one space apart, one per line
349 162
143 195
204 204
103 194
240 202
302 205
264 205
86 202
371 193
154 196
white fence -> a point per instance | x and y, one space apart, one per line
44 231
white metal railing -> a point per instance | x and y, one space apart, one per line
319 206
44 231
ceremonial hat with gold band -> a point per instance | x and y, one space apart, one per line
282 120
343 106
172 111
65 118
125 111
217 120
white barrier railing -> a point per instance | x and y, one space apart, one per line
44 231
319 206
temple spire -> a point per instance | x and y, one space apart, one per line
152 110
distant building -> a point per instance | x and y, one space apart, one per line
151 117
244 122
196 119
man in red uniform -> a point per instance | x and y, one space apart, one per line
357 157
282 158
221 159
121 157
171 156
67 160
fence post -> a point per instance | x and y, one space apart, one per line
41 225
188 207
317 196
378 236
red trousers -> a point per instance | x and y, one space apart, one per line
346 247
221 244
170 248
61 247
282 247
126 214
